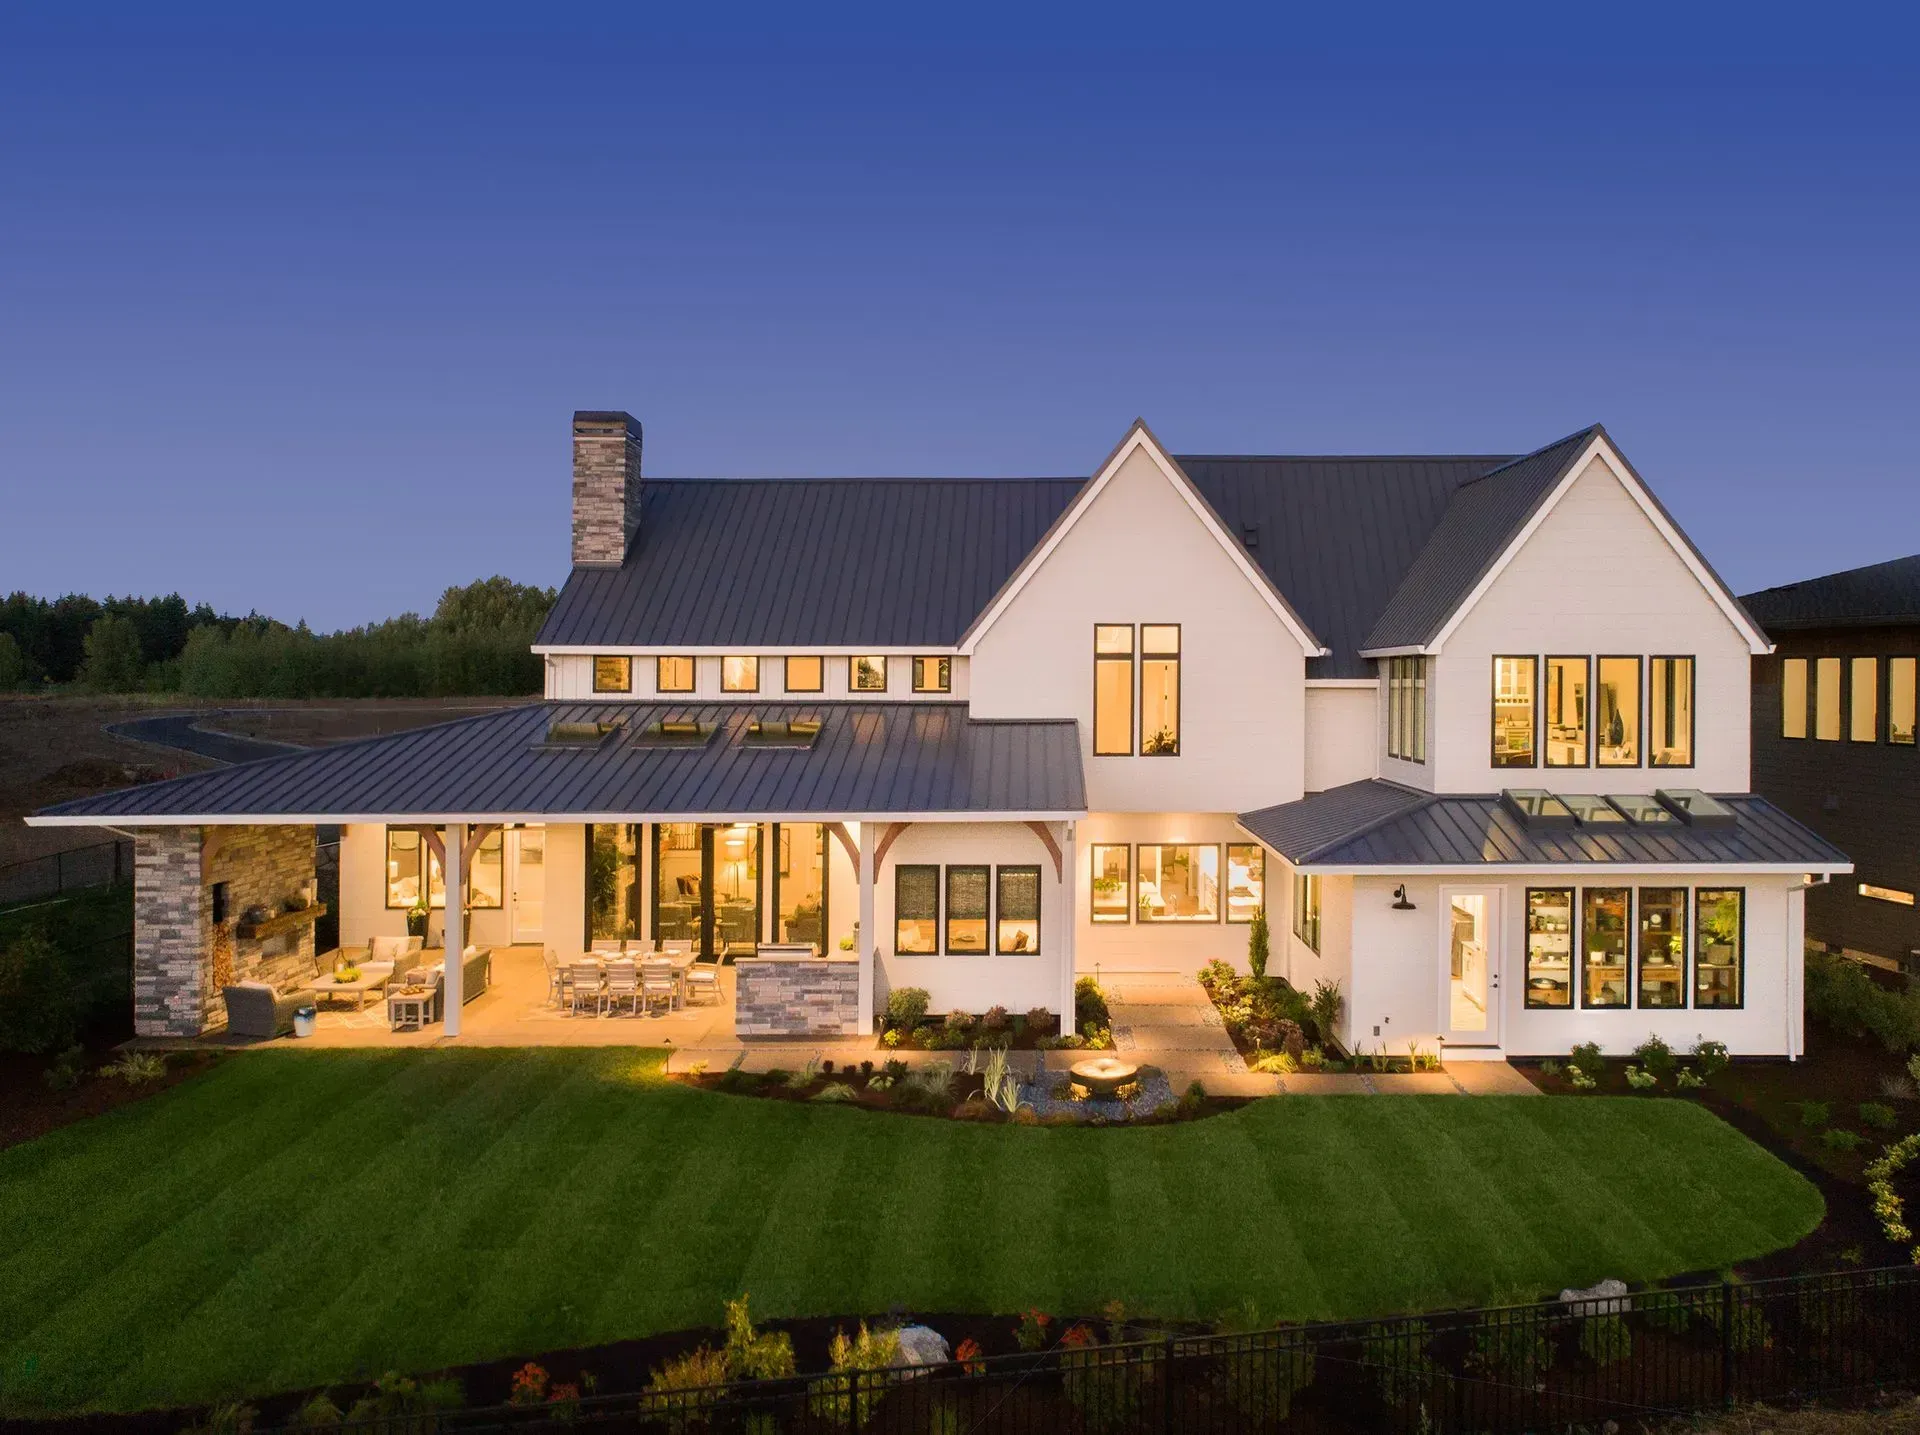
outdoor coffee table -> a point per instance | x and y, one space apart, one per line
330 985
410 1008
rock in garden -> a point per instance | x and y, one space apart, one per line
1607 1298
923 1345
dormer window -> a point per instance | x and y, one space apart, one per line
1407 709
739 674
867 674
612 674
673 675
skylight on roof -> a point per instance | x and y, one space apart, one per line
1592 810
578 736
1640 809
674 732
1696 808
776 732
1536 807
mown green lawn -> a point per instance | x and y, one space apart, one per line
294 1218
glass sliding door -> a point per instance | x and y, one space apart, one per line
680 882
706 885
613 881
800 882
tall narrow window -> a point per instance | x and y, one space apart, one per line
1663 947
1179 884
1160 689
739 673
614 896
1549 947
1112 884
406 851
916 911
673 675
1900 704
1670 713
1793 697
1016 911
806 675
1719 946
1603 946
1863 701
1617 721
1514 689
1826 699
1113 690
1567 712
800 882
1246 880
933 675
612 674
1407 709
486 876
1306 910
867 674
967 909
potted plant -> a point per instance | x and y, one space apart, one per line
417 920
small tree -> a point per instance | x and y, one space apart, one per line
113 656
1257 945
38 1008
13 666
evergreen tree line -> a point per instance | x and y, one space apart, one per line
475 644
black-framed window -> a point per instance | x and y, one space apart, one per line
1549 948
806 674
1159 689
1016 926
1719 947
1516 695
1616 718
1407 709
1178 882
413 866
933 675
612 674
673 674
800 871
916 910
1793 697
968 896
1863 700
1246 880
1568 731
1306 910
615 897
867 673
1826 699
1113 690
1900 701
740 673
1111 887
1605 918
1661 941
1670 728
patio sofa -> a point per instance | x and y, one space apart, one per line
476 974
256 1009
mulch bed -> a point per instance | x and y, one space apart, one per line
968 1101
30 1108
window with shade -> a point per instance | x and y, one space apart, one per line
916 910
1246 880
1826 699
1670 712
967 910
1514 697
1567 712
1793 697
1159 690
1016 911
1112 882
739 673
1179 883
1662 954
1113 690
1900 701
1603 946
1863 701
1617 713
673 675
1549 947
1719 946
612 674
1407 709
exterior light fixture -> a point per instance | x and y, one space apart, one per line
1400 902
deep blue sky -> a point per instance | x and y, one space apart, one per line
294 309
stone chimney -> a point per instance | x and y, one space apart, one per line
606 487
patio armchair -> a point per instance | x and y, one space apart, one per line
623 985
256 1009
701 982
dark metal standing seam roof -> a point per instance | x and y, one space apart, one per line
875 758
1398 828
1879 594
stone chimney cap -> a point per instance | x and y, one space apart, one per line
605 422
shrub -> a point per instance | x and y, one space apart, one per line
1325 1008
1711 1056
319 1413
1579 1080
1641 1080
1835 1138
1688 1080
1312 1059
1275 1063
1031 1331
1586 1058
39 1002
1550 1068
699 1369
1841 995
1517 1348
1089 1006
1192 1100
1257 945
1291 1039
1605 1339
834 1091
68 1069
1219 979
399 1402
1104 1386
755 1354
995 1019
907 1007
959 1021
890 1038
1877 1115
1038 1019
137 1068
1899 1087
232 1418
1814 1113
1654 1055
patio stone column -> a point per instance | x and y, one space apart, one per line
455 939
869 939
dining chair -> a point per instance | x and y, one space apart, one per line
702 982
677 947
658 982
623 985
586 987
552 964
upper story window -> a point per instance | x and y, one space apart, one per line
1407 709
739 674
1863 718
612 675
1160 689
673 675
1844 696
1567 712
1826 699
933 675
1670 713
1113 690
806 675
1515 697
1617 719
867 674
1900 700
1793 697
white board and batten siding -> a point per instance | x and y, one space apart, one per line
1346 735
569 677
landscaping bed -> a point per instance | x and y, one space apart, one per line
908 1026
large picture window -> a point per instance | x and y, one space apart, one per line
673 675
967 909
1549 947
1407 709
740 673
1670 713
806 674
412 864
916 911
1159 690
1514 696
1112 883
1603 946
612 674
1617 721
1662 955
1306 910
1246 880
614 896
1017 911
1826 699
1900 700
1863 701
867 674
1567 712
1179 884
1719 946
933 675
1113 690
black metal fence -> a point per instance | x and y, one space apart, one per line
98 865
1537 1367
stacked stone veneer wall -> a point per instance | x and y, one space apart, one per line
606 486
175 985
818 997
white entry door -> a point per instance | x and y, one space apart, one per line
1470 962
529 884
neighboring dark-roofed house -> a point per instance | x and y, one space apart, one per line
1834 744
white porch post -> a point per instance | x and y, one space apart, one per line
455 938
869 837
1070 927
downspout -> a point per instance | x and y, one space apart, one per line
1799 889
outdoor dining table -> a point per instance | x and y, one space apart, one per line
682 964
